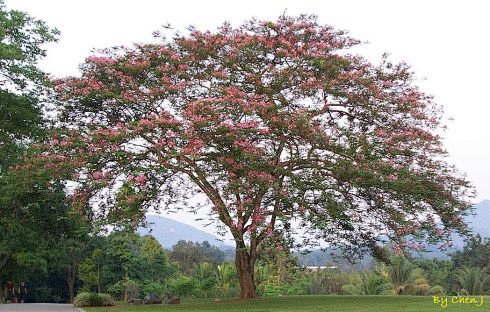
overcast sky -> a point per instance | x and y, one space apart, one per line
446 42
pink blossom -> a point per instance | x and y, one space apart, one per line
145 122
392 177
240 208
127 96
140 179
398 249
97 175
413 245
100 60
244 144
258 218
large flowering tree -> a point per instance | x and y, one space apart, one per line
274 124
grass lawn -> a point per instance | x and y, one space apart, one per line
309 304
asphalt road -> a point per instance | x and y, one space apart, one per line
37 307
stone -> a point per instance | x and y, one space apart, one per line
173 301
135 301
152 298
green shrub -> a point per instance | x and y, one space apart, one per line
117 289
86 299
107 299
94 300
150 287
182 286
272 290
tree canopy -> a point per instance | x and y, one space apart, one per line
21 46
274 123
25 204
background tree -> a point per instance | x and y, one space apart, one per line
227 279
21 82
475 253
122 248
205 278
404 278
35 218
366 283
155 259
156 266
473 281
21 85
188 255
271 122
89 271
277 270
326 282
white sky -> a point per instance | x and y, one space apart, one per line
446 42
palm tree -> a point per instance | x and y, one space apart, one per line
400 274
473 280
370 283
405 280
226 277
205 277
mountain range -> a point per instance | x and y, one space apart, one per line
479 222
168 232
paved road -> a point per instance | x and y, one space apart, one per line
37 307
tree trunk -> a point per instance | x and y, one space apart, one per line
126 278
70 278
245 267
98 276
3 260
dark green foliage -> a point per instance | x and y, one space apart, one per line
29 208
21 82
326 282
278 271
476 253
439 272
21 40
189 254
125 263
473 281
33 218
368 283
182 287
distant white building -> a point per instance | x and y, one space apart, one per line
320 268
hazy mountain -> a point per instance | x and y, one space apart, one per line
478 222
168 232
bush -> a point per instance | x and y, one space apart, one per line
182 286
272 290
150 287
86 299
117 289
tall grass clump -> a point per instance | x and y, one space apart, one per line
86 299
